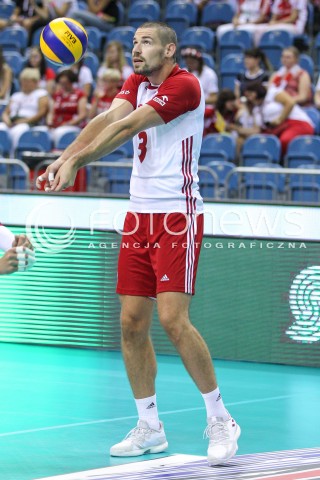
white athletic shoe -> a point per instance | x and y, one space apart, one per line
223 436
140 440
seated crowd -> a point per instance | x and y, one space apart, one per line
263 100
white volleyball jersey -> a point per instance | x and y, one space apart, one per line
165 164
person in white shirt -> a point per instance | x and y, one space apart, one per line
206 75
26 108
161 107
19 253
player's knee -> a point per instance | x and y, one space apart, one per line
174 327
133 329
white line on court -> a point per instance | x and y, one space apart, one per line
109 420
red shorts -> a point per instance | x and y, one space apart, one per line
159 252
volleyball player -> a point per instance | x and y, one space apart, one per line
161 107
19 254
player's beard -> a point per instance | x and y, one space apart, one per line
147 70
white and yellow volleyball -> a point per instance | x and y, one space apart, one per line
63 41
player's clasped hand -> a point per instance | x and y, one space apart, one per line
58 176
17 259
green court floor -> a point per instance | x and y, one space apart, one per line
61 409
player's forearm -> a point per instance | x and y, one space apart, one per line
108 140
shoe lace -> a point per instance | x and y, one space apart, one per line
217 432
138 433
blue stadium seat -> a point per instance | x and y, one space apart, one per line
143 11
317 50
223 170
124 35
230 67
96 39
314 114
34 140
179 25
307 63
122 14
35 39
128 57
14 38
13 176
91 61
260 148
5 143
306 187
208 185
128 146
199 37
65 140
6 9
234 41
273 42
216 146
181 9
118 179
216 13
303 149
15 60
263 185
208 60
120 154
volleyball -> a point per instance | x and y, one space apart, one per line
63 41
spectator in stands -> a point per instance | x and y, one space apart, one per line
289 15
317 94
37 60
84 80
206 75
257 67
275 112
103 14
250 14
115 58
26 108
26 15
292 78
68 111
5 78
107 89
47 10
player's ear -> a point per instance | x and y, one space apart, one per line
170 50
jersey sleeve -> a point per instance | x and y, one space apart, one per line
129 90
176 96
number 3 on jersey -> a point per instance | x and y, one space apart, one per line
143 137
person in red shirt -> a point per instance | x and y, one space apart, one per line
69 107
107 89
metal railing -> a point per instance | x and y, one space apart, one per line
8 179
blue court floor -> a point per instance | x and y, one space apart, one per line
61 409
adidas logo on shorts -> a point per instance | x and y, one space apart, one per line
164 278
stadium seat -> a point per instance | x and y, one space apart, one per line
5 143
260 148
234 41
199 37
91 61
15 61
263 185
65 140
143 11
34 140
96 39
305 187
216 146
307 63
230 67
124 35
120 154
216 13
128 146
179 25
14 38
273 42
6 9
227 182
122 14
208 185
181 9
314 114
208 60
35 39
13 176
305 149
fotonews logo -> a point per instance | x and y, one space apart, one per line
45 239
304 300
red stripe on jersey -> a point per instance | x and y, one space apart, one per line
187 145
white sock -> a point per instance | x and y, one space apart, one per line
214 404
148 411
